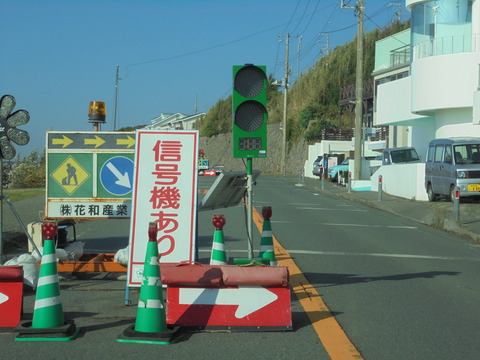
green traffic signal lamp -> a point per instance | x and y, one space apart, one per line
249 111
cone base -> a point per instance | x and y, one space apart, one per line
130 335
66 332
254 261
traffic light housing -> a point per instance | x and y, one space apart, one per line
249 111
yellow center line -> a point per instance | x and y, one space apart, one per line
329 331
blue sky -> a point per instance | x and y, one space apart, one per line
58 55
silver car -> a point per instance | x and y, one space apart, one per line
453 162
318 166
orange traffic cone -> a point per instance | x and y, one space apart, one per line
48 321
151 324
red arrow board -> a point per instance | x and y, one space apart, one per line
229 306
10 303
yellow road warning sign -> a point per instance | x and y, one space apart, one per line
70 175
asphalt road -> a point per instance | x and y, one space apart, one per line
96 302
399 289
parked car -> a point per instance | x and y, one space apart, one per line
399 155
318 166
334 170
453 162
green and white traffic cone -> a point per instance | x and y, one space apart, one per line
151 324
48 321
219 256
266 242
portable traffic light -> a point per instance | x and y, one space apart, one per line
249 111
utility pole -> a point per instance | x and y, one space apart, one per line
398 14
357 171
285 96
326 49
298 55
116 102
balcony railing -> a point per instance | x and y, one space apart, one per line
400 56
447 45
380 133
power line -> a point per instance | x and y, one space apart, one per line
315 41
301 17
393 36
205 49
291 17
215 46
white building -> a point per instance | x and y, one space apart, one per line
434 97
175 121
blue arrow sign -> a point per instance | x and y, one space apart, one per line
116 175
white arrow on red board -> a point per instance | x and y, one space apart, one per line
248 298
3 298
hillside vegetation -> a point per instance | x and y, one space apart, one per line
314 96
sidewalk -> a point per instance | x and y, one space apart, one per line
438 214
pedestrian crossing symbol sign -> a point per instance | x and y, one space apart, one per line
70 175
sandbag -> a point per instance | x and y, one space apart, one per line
74 250
121 257
30 268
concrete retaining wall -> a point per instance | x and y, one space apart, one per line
218 150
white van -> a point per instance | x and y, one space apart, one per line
453 162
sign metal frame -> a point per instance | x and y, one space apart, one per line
74 188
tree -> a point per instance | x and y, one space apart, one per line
29 172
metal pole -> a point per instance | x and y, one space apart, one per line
17 216
285 96
249 207
456 204
379 193
1 210
301 176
